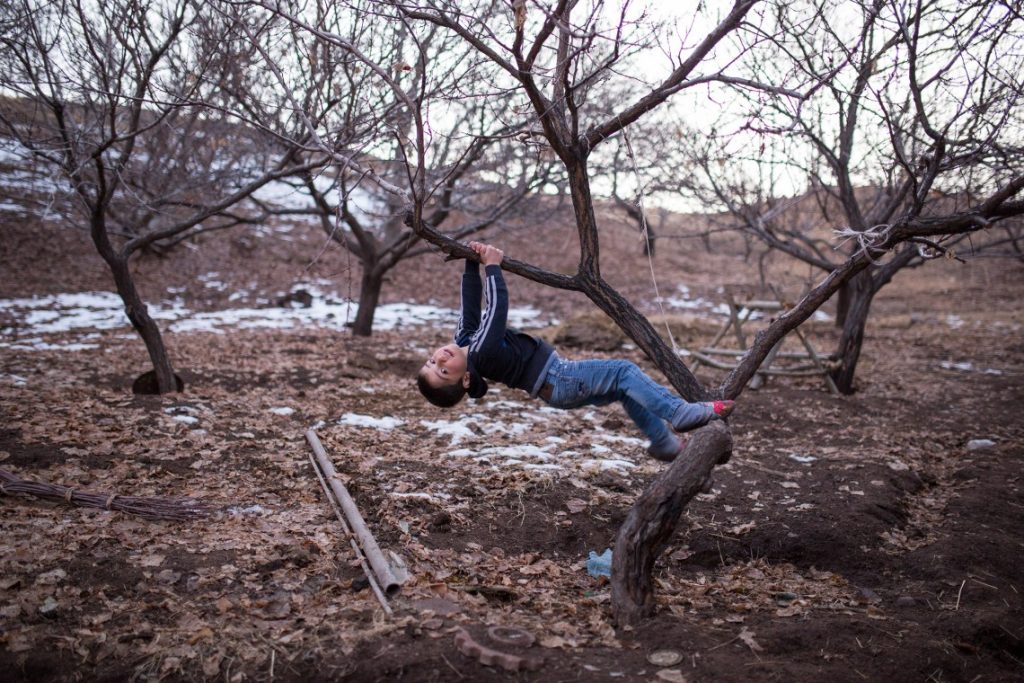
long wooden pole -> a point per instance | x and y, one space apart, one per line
351 539
373 553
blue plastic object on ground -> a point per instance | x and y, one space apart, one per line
600 565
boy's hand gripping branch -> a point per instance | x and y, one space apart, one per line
489 255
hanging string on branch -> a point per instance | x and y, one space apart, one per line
645 233
178 509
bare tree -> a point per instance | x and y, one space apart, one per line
562 62
354 82
903 128
107 98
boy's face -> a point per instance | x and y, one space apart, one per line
446 366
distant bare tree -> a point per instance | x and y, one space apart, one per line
353 84
107 97
905 131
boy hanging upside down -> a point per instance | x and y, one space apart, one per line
485 349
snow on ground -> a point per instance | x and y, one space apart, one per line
683 300
79 316
483 436
368 421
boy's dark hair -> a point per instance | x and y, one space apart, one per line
444 396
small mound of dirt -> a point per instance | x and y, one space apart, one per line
594 331
146 384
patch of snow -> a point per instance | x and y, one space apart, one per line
15 380
822 316
186 419
250 511
954 321
683 300
382 423
64 313
282 410
619 438
519 452
456 430
435 498
978 444
514 428
38 344
600 465
802 458
210 281
967 366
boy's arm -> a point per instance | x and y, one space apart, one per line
492 327
469 313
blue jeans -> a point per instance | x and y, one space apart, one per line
650 405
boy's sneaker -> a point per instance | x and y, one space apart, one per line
671 454
722 409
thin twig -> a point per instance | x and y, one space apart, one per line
457 672
711 649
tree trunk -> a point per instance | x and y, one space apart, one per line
134 307
649 242
653 519
369 297
843 304
862 291
138 314
640 330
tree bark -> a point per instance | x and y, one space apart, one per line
653 519
843 297
640 330
369 296
134 307
862 292
138 315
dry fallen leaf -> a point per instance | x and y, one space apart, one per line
153 560
741 529
552 641
576 505
747 636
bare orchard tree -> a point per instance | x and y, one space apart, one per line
353 84
371 224
563 62
908 127
105 96
562 58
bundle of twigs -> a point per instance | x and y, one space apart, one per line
152 508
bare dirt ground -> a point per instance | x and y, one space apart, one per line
849 538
